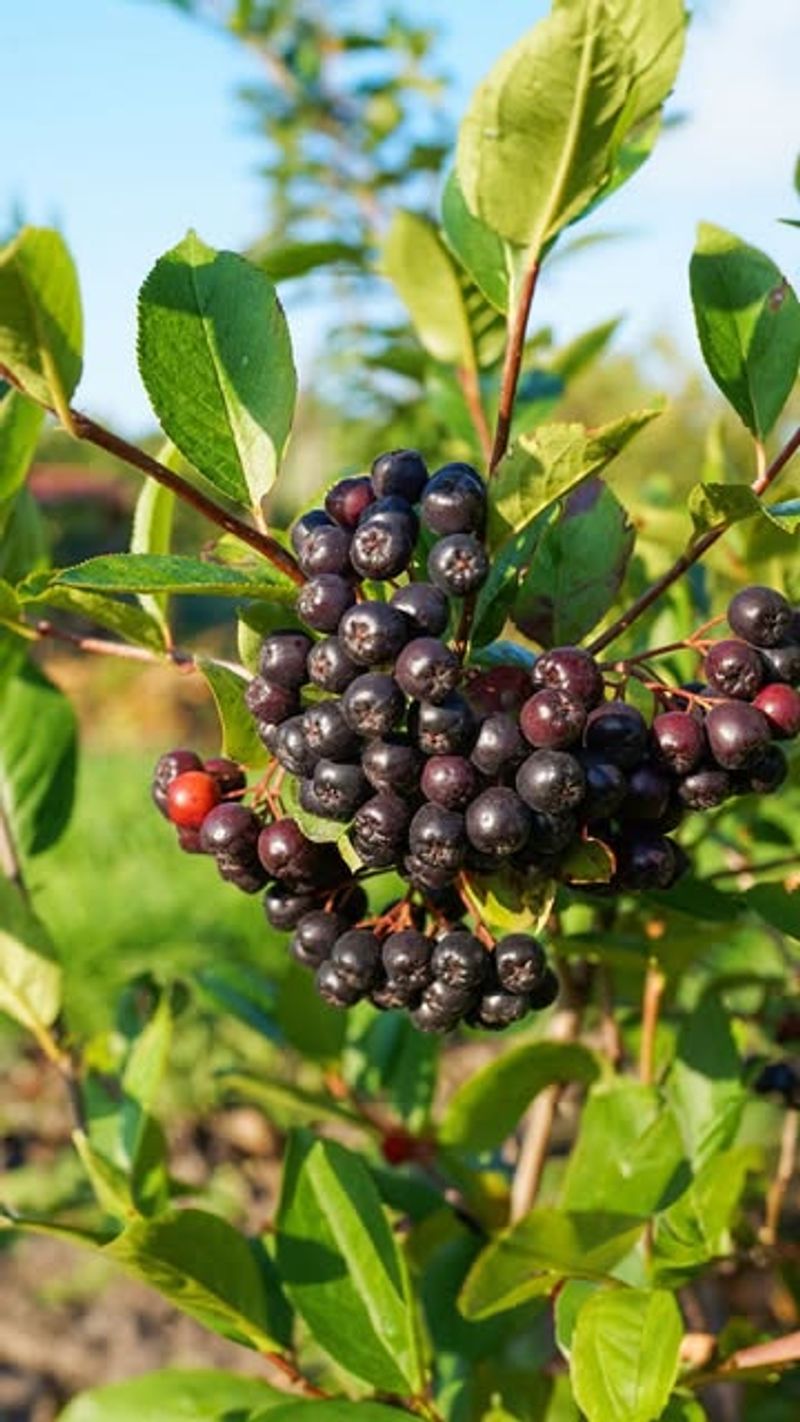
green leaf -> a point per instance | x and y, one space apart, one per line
20 427
418 264
543 132
37 759
341 1266
128 621
154 572
717 505
337 1409
296 259
580 563
30 979
176 1395
629 1153
289 1103
216 361
512 902
696 1227
704 1084
776 906
529 1259
314 827
548 464
240 739
210 1271
481 252
41 326
487 1107
748 323
152 532
590 861
571 1298
625 1352
385 1056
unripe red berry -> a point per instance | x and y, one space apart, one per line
190 797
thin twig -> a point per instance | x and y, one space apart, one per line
87 429
654 985
783 1177
512 366
286 1367
785 862
696 550
471 390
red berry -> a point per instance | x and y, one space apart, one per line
399 1146
190 797
781 706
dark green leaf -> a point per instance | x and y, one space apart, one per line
488 1106
216 361
153 572
776 906
37 758
705 1082
625 1354
748 322
132 623
41 326
240 739
210 1271
152 530
425 276
578 570
481 252
296 259
341 1266
385 1056
530 1258
30 979
176 1395
20 426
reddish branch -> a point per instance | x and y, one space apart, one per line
511 367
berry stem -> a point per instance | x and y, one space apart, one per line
696 549
512 366
84 428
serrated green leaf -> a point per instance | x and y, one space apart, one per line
483 1111
240 739
543 133
581 560
629 1151
20 427
176 1395
529 1259
418 264
134 624
712 505
748 323
41 325
625 1351
548 464
210 1271
704 1084
696 1227
38 748
153 572
480 251
514 902
341 1266
216 360
30 979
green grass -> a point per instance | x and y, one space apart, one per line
120 898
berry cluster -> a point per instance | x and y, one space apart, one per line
443 772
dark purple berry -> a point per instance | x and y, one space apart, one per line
425 606
315 936
286 852
229 774
705 788
646 860
458 564
737 734
382 548
400 471
328 733
450 780
373 632
499 745
446 729
454 500
168 767
459 960
782 663
546 993
381 822
520 963
291 749
734 669
323 601
306 525
552 719
387 511
761 616
618 733
392 763
551 781
284 906
283 658
572 670
270 703
498 822
356 955
230 828
436 836
373 704
427 670
679 741
606 786
329 666
334 988
347 500
425 876
325 550
498 1009
765 775
407 958
781 706
340 789
648 793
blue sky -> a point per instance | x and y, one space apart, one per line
121 125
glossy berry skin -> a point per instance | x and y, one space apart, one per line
291 749
334 988
646 860
392 763
306 524
389 995
285 852
520 963
284 906
428 877
325 550
737 734
386 511
168 767
498 1009
551 781
454 500
340 788
552 720
617 732
400 471
382 548
572 670
270 703
548 835
734 669
230 828
498 822
329 666
328 732
704 788
407 959
373 632
189 840
314 937
427 670
458 564
606 786
323 601
766 775
229 775
460 960
648 793
781 706
436 836
244 872
190 797
445 729
499 745
346 501
546 993
381 823
425 606
373 704
679 741
450 780
283 658
760 615
356 955
782 663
